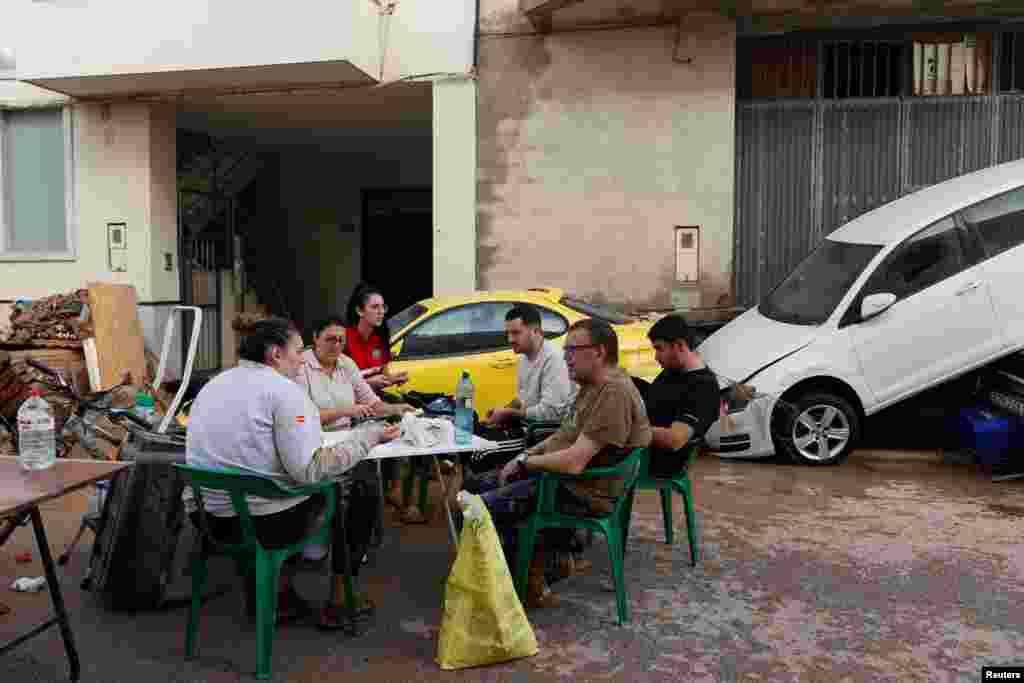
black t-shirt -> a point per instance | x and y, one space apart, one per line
687 396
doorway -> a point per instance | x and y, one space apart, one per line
398 244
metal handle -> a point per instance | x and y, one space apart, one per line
501 365
969 288
187 374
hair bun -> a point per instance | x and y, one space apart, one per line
245 322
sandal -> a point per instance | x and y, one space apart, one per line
394 499
412 515
338 618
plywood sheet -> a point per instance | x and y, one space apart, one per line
120 345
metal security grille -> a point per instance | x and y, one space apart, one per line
204 254
805 167
810 159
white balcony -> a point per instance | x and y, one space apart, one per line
93 48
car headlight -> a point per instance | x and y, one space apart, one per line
737 397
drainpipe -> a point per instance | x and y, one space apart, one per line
476 37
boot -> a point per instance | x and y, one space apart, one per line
538 595
570 565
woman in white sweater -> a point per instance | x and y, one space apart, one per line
256 418
335 384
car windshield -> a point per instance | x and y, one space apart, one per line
595 311
399 321
813 290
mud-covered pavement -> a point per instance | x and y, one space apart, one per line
893 566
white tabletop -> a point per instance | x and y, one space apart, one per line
399 449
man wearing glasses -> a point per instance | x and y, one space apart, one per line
606 421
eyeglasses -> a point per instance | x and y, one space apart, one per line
571 350
334 340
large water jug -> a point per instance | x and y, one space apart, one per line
37 446
464 410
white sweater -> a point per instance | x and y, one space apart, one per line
255 419
543 385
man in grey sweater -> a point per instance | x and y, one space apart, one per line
543 389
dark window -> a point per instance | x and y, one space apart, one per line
861 68
812 291
553 324
927 258
769 68
473 328
400 320
973 249
999 221
595 311
1011 63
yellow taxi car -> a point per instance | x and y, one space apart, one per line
436 339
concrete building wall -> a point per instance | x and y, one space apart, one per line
163 205
455 186
594 145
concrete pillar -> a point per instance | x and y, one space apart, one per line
454 129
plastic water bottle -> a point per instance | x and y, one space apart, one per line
37 446
464 410
145 407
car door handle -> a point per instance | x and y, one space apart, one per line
968 288
502 364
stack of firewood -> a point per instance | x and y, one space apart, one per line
54 321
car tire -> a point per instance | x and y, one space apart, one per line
814 423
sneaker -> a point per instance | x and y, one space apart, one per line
314 552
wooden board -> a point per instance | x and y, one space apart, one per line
120 345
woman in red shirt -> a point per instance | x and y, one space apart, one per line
367 338
368 343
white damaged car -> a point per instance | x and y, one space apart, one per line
896 301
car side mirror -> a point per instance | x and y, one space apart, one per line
875 305
396 349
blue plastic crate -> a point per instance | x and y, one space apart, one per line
997 440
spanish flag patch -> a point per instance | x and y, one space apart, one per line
301 419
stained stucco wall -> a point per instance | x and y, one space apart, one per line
124 171
593 145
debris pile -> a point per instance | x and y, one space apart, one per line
18 378
60 320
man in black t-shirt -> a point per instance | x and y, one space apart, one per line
682 402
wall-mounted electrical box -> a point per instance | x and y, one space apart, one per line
687 254
117 246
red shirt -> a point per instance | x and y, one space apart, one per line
367 353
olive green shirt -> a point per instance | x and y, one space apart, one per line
613 416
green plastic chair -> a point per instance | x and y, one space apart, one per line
666 487
614 525
252 558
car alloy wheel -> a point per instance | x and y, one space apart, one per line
821 432
818 429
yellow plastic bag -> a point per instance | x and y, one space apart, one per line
484 622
